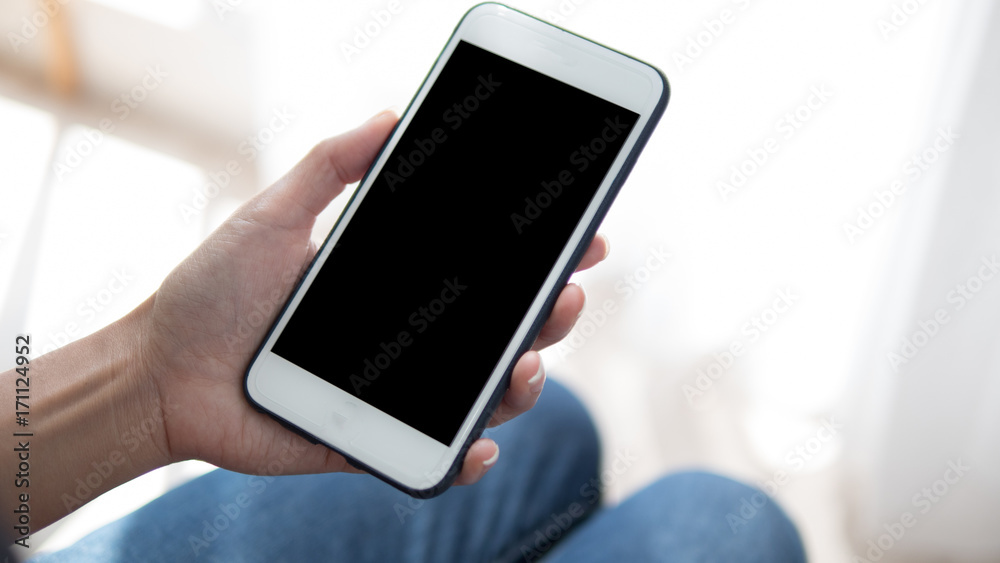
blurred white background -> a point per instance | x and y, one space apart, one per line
822 271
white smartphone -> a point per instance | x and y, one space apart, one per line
400 339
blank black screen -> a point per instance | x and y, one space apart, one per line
443 257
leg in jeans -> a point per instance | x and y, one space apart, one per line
547 454
684 518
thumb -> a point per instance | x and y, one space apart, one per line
296 199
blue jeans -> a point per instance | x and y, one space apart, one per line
540 502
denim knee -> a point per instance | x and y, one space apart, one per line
739 521
558 427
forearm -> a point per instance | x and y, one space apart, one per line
95 422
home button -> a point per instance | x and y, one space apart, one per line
344 420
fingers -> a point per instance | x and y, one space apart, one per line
598 251
525 386
307 189
569 305
568 308
482 455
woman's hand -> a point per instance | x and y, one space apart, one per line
211 313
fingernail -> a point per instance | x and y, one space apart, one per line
584 308
607 246
537 381
493 459
393 110
388 111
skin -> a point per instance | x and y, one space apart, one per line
165 383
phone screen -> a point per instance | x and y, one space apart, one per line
428 282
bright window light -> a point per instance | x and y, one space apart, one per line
178 14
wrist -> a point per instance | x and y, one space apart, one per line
139 409
99 421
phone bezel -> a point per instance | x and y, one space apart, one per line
369 438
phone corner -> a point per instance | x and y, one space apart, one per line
661 104
249 396
247 391
433 491
482 9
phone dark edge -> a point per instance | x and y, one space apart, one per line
547 306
